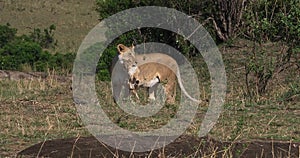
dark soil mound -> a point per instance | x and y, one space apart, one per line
184 146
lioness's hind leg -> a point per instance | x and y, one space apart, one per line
152 84
170 89
152 92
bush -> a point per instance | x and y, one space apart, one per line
46 38
258 20
19 52
7 34
26 51
274 21
208 12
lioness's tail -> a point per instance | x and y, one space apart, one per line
183 89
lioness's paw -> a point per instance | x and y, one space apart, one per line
151 97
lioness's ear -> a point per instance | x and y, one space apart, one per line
132 50
132 46
121 48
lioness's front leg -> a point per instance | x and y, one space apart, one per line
133 86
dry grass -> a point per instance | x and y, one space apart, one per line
41 109
36 110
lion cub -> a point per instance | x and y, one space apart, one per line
151 74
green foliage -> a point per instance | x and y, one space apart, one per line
290 21
46 38
6 34
18 51
58 61
273 20
259 20
293 92
200 10
109 7
260 65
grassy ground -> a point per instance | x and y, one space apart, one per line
275 114
36 110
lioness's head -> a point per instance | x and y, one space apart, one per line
126 54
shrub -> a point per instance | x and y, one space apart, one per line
274 21
26 51
19 52
209 12
7 34
46 38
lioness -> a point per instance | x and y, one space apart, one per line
120 76
149 72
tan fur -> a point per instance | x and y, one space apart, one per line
149 67
149 71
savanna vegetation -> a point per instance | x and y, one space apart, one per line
259 42
32 52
